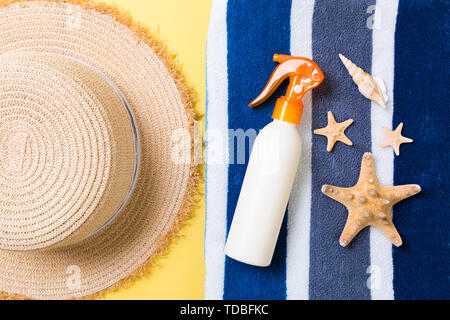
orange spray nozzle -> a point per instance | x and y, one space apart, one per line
304 75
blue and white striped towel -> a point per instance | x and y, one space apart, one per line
410 37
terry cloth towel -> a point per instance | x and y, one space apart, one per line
404 42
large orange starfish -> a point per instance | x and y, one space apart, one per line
369 203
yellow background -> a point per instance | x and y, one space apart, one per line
183 25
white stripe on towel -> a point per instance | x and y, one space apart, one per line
216 151
381 270
299 210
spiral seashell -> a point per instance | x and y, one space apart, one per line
372 88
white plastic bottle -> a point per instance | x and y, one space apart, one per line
272 166
264 194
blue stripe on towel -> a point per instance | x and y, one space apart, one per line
338 27
256 30
421 265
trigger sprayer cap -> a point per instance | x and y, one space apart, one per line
288 111
304 75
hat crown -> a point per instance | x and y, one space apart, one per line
67 151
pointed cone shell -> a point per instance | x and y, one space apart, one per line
369 87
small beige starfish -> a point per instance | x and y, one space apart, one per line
395 138
335 131
369 203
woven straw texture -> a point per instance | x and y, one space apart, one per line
67 154
66 141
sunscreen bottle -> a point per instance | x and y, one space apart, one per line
272 166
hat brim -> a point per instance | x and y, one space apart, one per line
147 76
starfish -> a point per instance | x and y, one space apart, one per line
369 203
395 138
335 131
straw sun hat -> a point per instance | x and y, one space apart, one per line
95 149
